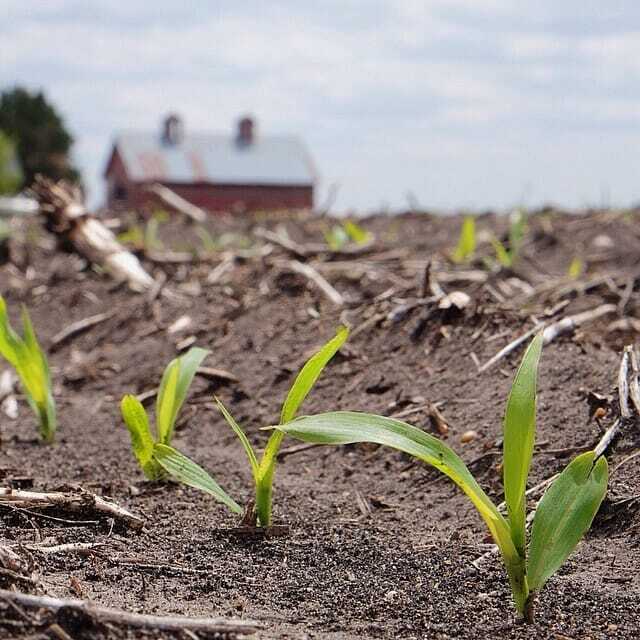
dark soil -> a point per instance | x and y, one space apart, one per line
379 546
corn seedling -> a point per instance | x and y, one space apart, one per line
466 242
507 255
563 516
27 358
145 238
576 268
188 472
172 393
209 243
340 234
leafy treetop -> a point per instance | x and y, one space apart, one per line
39 133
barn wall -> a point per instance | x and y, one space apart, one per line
251 198
118 183
216 198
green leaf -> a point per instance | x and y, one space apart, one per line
356 232
30 363
189 364
309 374
192 474
519 437
503 256
165 401
345 427
517 230
137 421
242 437
564 515
467 241
8 338
336 237
576 268
174 387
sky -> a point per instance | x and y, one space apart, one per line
444 104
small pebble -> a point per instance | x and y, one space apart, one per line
468 436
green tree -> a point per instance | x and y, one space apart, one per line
41 138
10 172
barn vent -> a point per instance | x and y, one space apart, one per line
172 130
245 135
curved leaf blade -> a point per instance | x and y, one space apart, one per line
357 233
8 338
519 437
564 515
502 255
467 241
346 427
166 400
189 364
137 422
309 374
188 472
174 386
253 461
30 363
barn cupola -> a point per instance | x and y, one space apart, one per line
172 130
245 136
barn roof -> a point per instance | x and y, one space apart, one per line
215 158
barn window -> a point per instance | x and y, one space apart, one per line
119 191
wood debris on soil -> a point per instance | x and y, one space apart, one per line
261 303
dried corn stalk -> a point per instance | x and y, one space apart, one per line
67 217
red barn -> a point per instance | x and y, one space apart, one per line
241 172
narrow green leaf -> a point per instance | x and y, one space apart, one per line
309 374
467 241
264 482
242 437
174 386
137 421
519 436
576 268
48 420
28 332
357 233
345 427
8 337
189 364
165 401
517 230
503 256
31 365
564 515
336 237
192 474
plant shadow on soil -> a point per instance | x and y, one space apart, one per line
379 546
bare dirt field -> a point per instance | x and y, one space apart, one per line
378 545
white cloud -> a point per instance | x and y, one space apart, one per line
384 92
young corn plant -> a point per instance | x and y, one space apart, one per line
576 268
466 242
263 470
562 517
172 393
507 255
30 363
339 235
